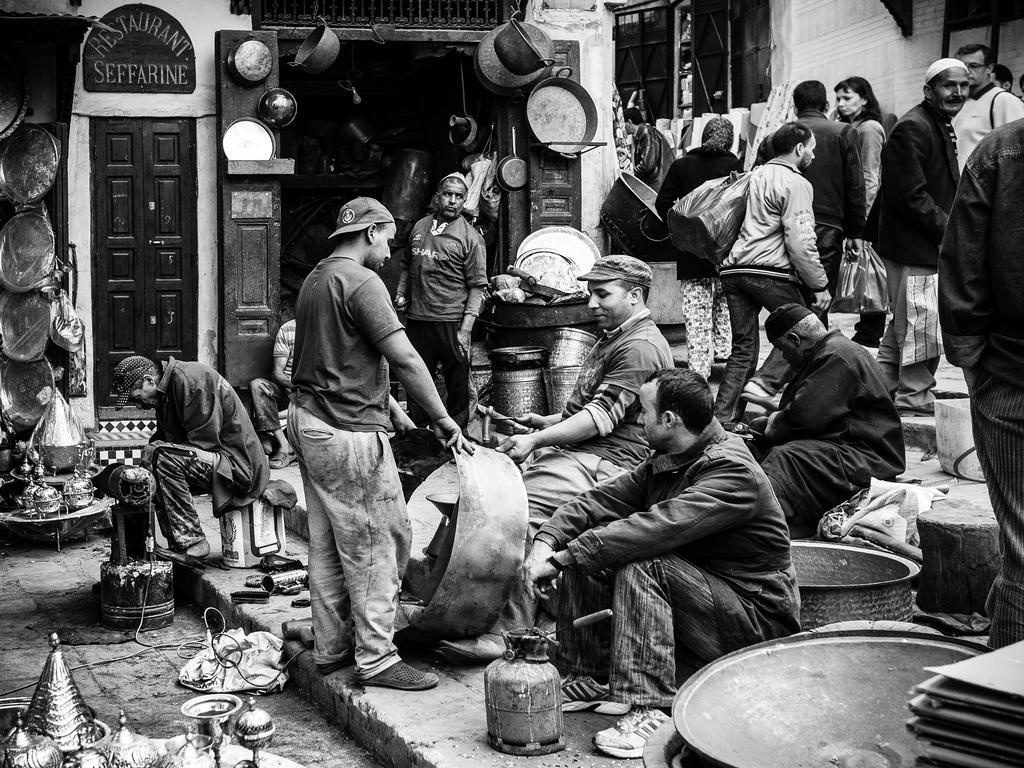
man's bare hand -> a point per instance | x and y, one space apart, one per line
449 433
464 339
401 422
147 452
855 245
264 388
822 300
532 420
400 302
518 447
537 571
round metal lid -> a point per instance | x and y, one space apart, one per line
252 62
13 95
20 385
248 139
812 700
28 164
24 325
27 251
565 241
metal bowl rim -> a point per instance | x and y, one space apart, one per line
913 569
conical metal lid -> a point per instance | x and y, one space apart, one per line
57 708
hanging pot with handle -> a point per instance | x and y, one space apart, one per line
318 51
250 63
495 76
517 51
629 215
512 173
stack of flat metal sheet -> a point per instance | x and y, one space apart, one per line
971 714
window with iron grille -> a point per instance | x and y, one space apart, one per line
438 14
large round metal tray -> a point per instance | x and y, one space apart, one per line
565 241
562 115
27 251
24 325
248 139
20 385
551 269
812 700
28 164
13 95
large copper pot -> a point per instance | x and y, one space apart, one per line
408 187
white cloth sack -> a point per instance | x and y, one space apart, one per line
242 662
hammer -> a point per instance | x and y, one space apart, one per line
489 415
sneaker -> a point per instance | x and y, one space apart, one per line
402 677
629 736
582 692
758 395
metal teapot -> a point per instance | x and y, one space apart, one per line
79 490
31 750
46 501
128 749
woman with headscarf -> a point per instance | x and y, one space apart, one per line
708 334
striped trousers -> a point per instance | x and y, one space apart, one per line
997 412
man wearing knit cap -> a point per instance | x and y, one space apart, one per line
836 427
919 178
441 287
598 433
347 338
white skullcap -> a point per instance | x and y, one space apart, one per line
453 175
941 66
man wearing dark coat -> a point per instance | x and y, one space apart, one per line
204 442
836 426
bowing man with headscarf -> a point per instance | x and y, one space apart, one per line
708 335
444 273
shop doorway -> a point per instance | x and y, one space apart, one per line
144 242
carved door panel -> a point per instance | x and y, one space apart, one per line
144 243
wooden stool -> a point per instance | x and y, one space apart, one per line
961 557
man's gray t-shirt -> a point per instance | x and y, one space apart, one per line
445 260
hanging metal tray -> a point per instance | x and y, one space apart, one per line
20 385
28 164
24 325
13 95
27 251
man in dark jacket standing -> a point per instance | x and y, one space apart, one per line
836 426
981 270
652 154
204 442
919 178
840 206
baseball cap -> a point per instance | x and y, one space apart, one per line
784 318
360 213
128 374
620 268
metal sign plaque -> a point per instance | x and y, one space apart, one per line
146 50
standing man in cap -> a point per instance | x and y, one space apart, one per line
773 262
919 178
981 266
204 443
441 289
836 426
596 436
987 106
346 336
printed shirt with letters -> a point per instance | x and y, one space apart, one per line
608 388
444 261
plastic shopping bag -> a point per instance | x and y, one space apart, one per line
707 221
862 283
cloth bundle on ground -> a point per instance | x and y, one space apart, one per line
237 662
707 221
887 507
862 285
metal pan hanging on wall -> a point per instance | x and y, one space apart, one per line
27 251
495 76
24 325
562 115
28 164
250 63
13 95
20 385
248 139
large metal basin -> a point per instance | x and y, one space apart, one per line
840 583
812 700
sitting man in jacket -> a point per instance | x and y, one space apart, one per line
836 426
204 442
690 550
596 436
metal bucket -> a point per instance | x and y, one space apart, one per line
629 214
517 358
514 393
569 346
840 583
409 183
559 383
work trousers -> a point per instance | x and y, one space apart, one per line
359 539
437 342
997 412
706 313
180 471
664 628
268 398
552 478
830 243
911 383
747 295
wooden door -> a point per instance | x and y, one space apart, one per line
710 56
144 242
751 50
